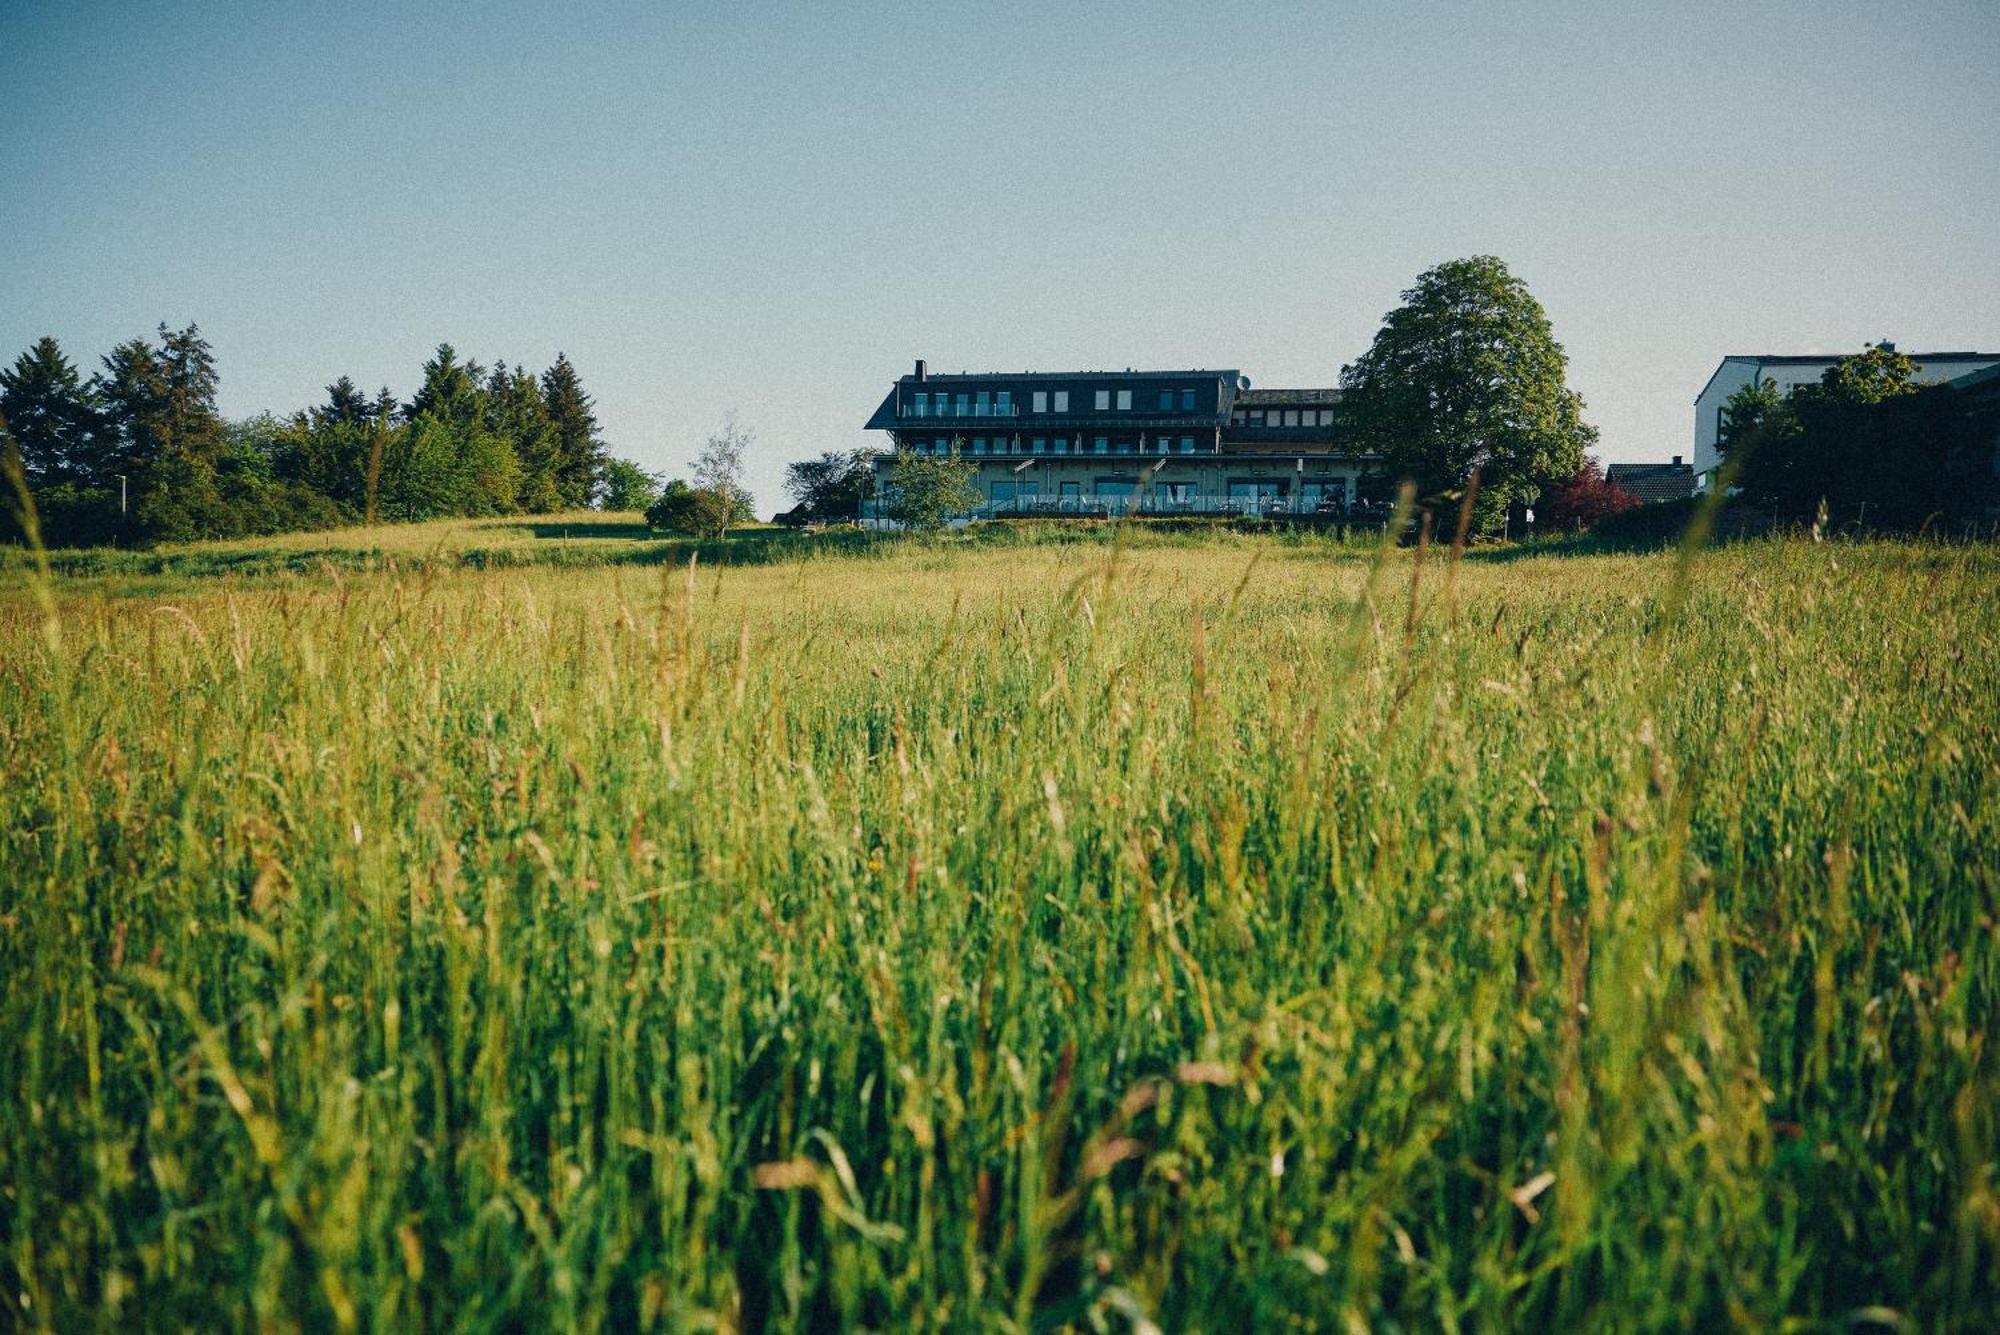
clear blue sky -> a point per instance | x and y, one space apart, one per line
772 209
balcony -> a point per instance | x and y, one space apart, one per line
948 412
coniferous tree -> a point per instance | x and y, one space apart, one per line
132 388
516 414
189 424
50 412
450 391
579 450
345 402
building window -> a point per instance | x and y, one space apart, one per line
1005 401
1187 400
1103 444
923 407
979 444
1291 415
1062 400
1187 444
1124 446
1124 400
1041 444
1257 417
943 445
1103 400
1041 401
1166 400
1326 417
980 408
964 405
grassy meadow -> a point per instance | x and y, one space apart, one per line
1012 933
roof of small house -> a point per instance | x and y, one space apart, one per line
1653 482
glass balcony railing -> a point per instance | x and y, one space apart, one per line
952 410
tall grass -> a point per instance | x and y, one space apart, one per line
1212 935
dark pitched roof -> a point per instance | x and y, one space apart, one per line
1653 482
1257 398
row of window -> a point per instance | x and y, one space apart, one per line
1000 403
1283 417
1057 445
1312 493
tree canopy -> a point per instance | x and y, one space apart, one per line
927 490
140 452
1467 375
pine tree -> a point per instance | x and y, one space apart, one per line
516 414
132 388
579 450
345 402
190 426
49 411
449 392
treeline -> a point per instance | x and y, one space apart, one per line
138 453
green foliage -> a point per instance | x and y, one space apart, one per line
51 413
927 490
832 486
577 451
1867 445
720 497
1220 933
626 486
1467 375
1870 376
472 442
674 510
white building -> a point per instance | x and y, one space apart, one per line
1788 373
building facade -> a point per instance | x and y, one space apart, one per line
1120 442
1788 373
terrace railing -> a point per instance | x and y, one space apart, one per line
950 410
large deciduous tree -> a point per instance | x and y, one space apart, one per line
1467 375
833 485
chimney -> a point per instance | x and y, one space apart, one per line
920 368
1677 461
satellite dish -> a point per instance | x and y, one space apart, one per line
1242 382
